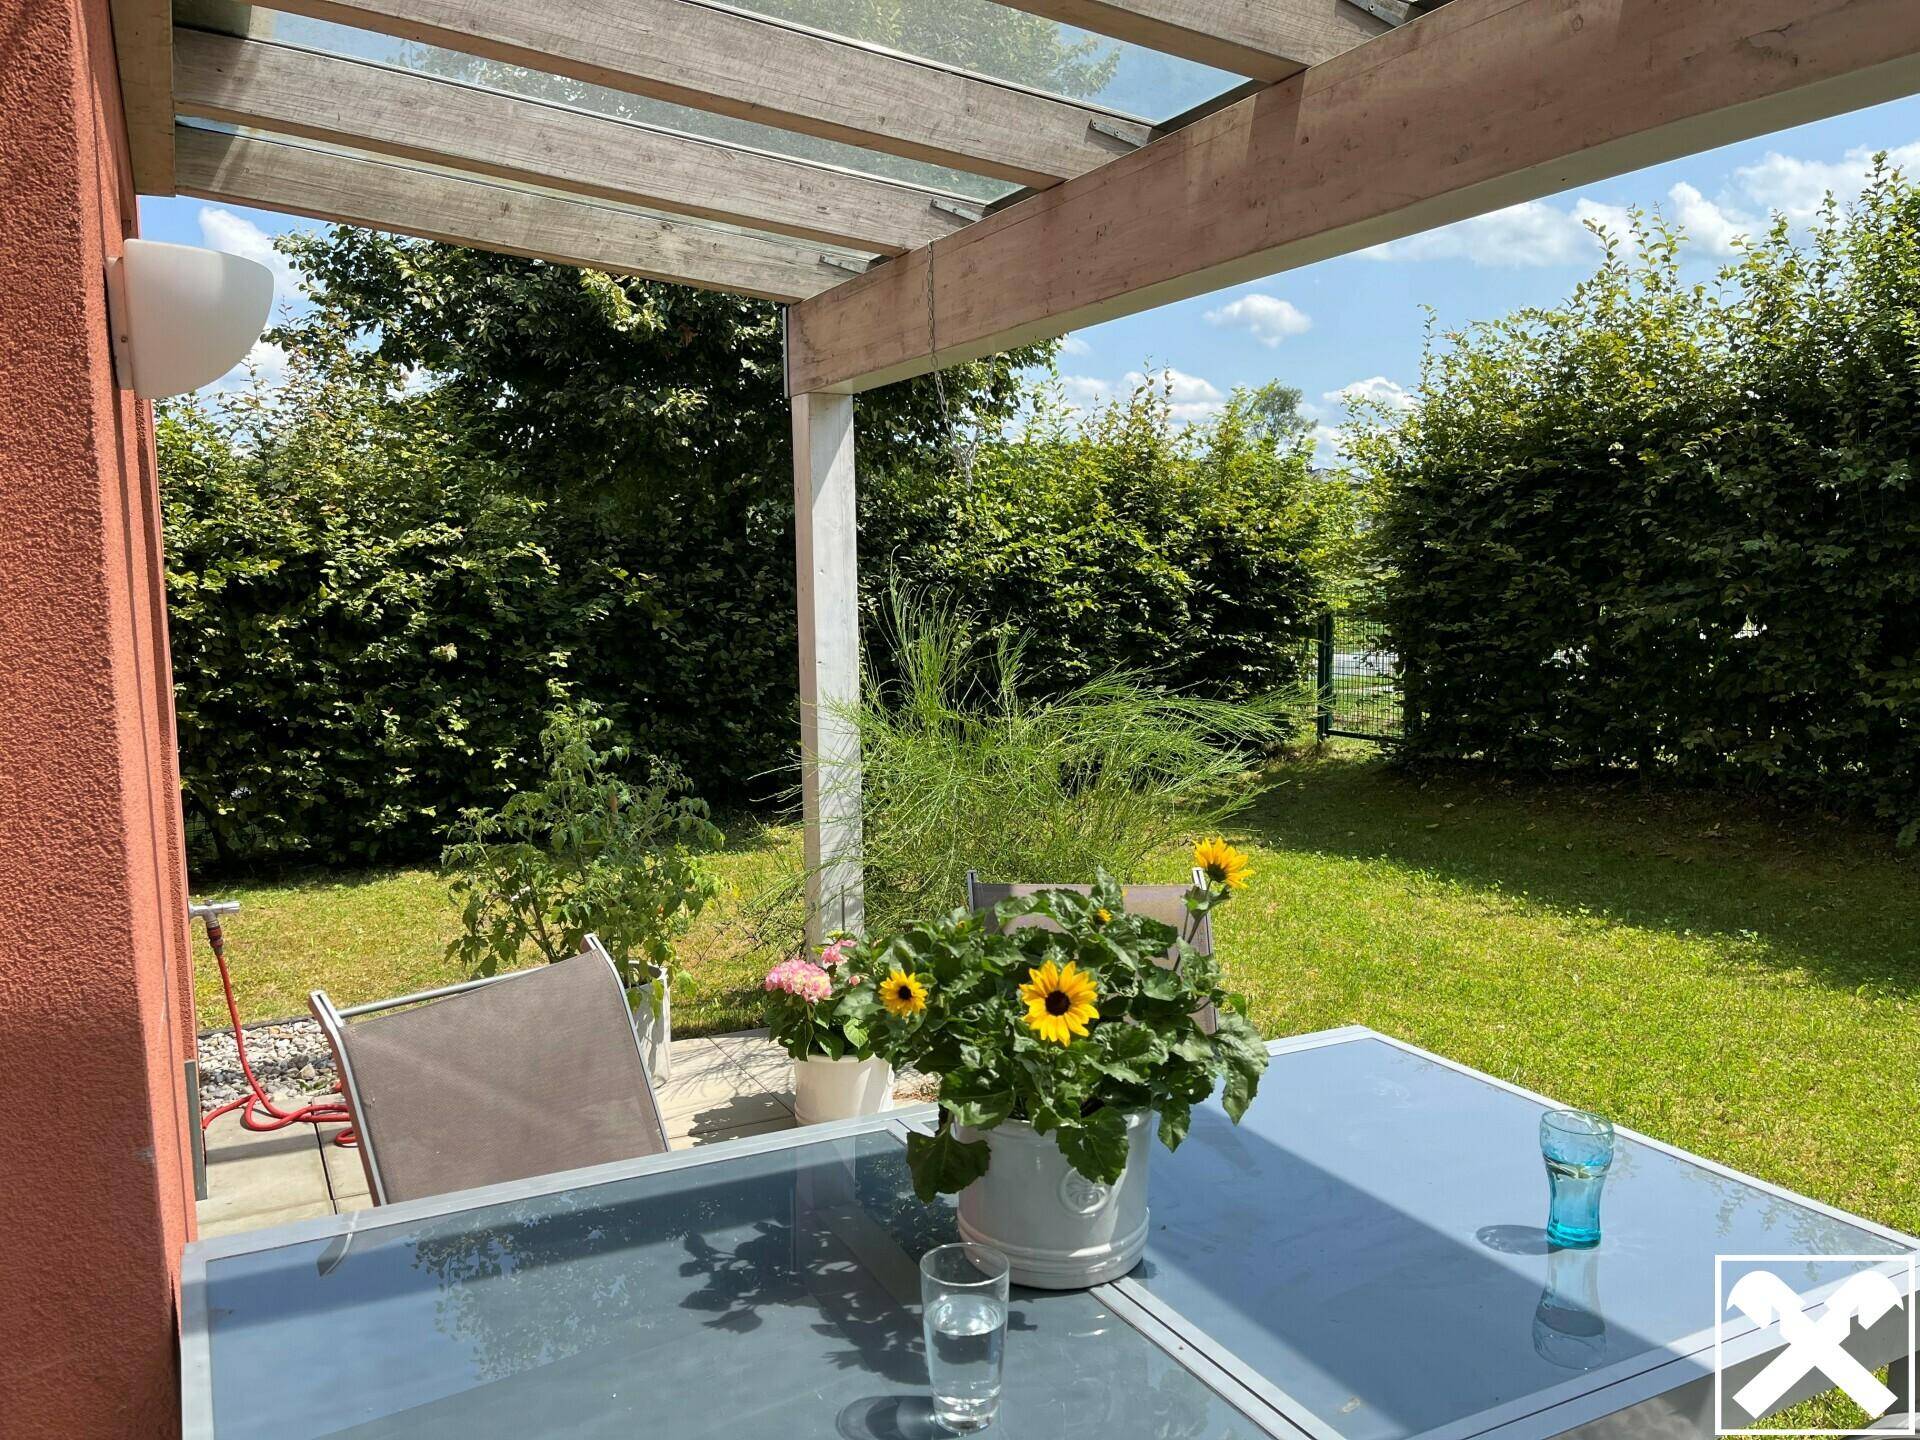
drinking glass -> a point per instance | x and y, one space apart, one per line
963 1295
1578 1148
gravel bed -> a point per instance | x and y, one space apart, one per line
290 1057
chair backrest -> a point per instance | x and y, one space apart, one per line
494 1080
1165 903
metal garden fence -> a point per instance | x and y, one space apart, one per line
1358 680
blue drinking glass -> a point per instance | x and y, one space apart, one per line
1578 1149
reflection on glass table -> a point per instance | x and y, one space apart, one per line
770 1294
1369 1244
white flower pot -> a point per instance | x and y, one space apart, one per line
1058 1229
655 1032
826 1089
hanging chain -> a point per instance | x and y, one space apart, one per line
963 453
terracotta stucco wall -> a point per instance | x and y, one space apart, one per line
95 1180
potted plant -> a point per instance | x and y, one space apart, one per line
821 1013
1057 1048
584 850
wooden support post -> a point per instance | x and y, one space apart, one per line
827 584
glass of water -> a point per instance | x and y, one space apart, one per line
963 1292
1578 1149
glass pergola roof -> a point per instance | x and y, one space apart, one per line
976 36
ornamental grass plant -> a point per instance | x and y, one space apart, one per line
962 770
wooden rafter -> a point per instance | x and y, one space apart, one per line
143 54
734 63
1478 105
301 180
419 117
1266 39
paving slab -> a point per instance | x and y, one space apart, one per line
253 1179
732 1112
764 1127
346 1175
265 1219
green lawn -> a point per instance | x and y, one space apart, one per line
1739 987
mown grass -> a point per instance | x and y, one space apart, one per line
1737 985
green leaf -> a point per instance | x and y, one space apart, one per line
1160 982
1175 1115
941 1163
1096 1146
1128 1053
979 1099
1193 1045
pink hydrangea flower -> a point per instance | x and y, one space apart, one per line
800 978
835 953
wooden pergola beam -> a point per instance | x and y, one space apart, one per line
1266 39
1479 105
143 52
419 117
278 175
734 63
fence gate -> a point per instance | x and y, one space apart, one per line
1358 680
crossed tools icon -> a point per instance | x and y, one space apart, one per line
1813 1344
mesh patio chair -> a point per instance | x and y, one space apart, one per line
1165 903
494 1080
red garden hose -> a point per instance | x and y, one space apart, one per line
257 1110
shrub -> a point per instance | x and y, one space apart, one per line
581 852
1676 527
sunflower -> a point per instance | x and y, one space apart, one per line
1224 864
1059 1001
1102 916
903 994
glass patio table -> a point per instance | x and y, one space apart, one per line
1361 1258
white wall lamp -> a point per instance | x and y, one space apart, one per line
183 316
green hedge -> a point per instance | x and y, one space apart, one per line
1196 555
1674 526
378 590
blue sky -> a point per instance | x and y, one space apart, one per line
1358 320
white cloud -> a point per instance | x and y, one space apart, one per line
1190 397
266 362
1707 222
1329 444
224 230
1074 345
1083 392
1267 317
1527 235
1377 389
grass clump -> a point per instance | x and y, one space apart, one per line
965 770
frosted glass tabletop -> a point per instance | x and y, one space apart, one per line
769 1294
1369 1241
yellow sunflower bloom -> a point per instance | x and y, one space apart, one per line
1059 1001
1224 864
1102 916
903 994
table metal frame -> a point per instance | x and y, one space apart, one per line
1624 1399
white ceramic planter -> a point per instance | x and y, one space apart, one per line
1058 1229
826 1089
655 1031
